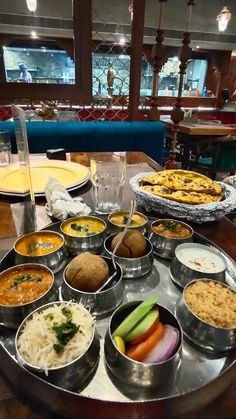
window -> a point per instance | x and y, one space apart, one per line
168 82
40 64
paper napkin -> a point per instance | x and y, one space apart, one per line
59 202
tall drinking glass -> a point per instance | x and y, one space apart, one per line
108 172
5 148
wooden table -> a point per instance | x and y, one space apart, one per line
223 233
206 130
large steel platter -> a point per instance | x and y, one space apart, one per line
201 378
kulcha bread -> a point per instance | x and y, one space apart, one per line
87 272
133 244
184 180
182 186
193 198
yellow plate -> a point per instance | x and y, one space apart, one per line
13 179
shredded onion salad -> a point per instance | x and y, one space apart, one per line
56 336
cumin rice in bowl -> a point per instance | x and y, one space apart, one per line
59 342
207 314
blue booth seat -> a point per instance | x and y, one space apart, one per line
147 136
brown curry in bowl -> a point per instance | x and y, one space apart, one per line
23 284
172 229
39 243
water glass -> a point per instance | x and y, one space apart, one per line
5 148
108 172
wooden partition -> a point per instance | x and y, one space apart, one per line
220 73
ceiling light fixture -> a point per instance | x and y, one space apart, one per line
122 41
197 46
34 35
32 5
131 10
223 19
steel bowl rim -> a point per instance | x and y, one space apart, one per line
55 233
172 238
198 318
127 211
38 298
92 293
133 259
83 237
139 362
41 308
201 246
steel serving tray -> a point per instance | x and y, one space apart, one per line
201 378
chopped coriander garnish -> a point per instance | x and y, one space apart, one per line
125 220
64 333
170 225
82 229
66 312
36 245
58 347
26 278
49 316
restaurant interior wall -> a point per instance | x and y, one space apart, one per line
111 49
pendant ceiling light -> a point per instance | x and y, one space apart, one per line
32 5
223 19
131 10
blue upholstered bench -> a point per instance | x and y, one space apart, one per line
93 136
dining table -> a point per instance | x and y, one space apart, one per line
201 128
14 404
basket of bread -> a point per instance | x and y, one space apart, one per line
183 194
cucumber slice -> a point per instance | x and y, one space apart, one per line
142 326
133 318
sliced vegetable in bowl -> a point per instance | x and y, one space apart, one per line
144 336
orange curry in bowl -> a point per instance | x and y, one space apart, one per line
172 229
39 243
22 285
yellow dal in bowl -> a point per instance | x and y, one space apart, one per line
83 227
120 219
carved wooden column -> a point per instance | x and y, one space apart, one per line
177 114
159 57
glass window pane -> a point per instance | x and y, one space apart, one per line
41 64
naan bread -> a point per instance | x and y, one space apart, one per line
183 180
186 197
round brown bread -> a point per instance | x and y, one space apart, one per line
133 244
87 272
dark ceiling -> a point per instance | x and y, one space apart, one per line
54 18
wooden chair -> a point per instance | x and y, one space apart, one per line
213 155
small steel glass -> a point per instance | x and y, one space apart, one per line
132 267
70 376
98 303
182 274
114 228
76 244
138 373
56 260
165 246
12 316
208 337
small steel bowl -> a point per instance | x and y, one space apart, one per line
165 246
207 336
99 303
132 267
74 375
114 228
55 260
138 373
12 316
77 244
182 274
